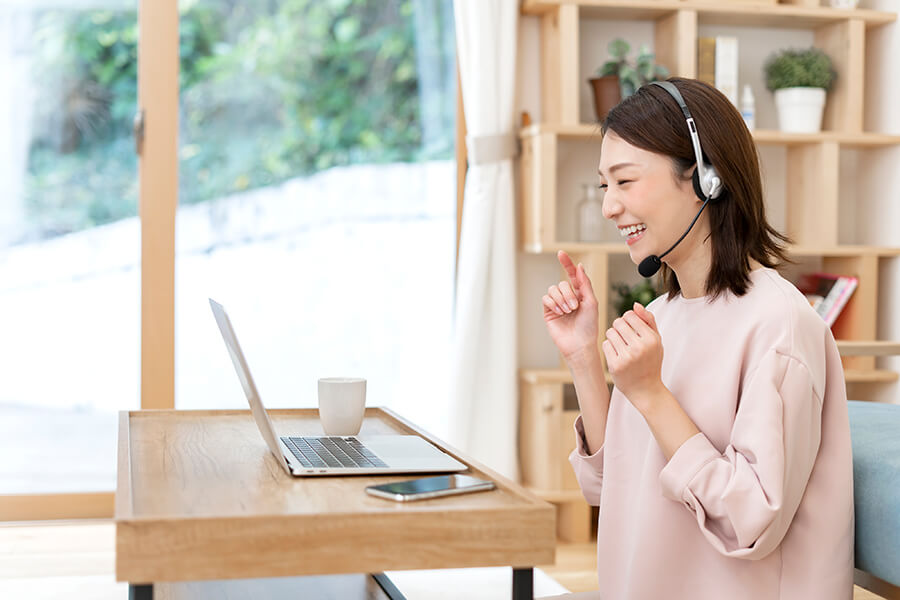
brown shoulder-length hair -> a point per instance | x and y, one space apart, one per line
652 120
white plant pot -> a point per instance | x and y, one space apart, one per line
800 109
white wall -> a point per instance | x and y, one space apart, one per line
870 180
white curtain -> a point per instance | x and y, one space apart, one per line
483 370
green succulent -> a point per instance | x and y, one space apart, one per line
618 50
631 77
799 68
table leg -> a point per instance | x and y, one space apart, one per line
523 584
388 586
140 591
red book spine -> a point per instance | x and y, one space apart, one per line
848 285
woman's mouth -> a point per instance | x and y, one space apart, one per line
632 233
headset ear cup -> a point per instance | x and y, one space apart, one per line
695 178
713 182
714 191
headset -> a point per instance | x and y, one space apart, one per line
707 183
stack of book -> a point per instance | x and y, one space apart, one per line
828 294
717 64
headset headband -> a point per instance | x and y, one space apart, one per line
692 128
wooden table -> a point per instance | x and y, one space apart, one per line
200 498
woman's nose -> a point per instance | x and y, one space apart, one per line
611 205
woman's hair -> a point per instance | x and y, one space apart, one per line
652 120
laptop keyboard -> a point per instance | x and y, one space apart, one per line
332 452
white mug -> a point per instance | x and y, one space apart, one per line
342 405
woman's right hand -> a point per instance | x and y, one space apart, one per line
570 311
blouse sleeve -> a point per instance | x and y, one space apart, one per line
745 497
588 467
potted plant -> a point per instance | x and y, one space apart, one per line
799 79
644 292
617 79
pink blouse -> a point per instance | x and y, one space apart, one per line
759 505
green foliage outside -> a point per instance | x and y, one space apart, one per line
269 91
799 68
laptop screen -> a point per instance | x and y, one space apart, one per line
243 373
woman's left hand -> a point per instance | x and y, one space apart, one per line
634 354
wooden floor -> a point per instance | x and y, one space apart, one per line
76 560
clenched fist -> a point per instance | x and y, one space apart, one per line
634 354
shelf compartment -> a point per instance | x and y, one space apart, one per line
547 410
812 217
839 33
674 41
546 415
714 13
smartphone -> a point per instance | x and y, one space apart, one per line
429 487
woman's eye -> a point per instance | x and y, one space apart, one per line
602 186
624 181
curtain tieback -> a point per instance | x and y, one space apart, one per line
485 149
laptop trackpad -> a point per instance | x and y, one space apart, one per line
409 451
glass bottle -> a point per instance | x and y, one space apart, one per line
748 108
590 215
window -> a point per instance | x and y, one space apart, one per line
317 200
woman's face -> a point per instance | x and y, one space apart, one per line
648 204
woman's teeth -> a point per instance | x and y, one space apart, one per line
632 229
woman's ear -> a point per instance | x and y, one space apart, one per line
690 182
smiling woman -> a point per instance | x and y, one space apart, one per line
650 138
721 460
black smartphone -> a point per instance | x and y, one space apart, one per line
429 487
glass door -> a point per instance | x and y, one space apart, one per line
308 150
86 242
69 243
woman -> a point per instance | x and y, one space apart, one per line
721 461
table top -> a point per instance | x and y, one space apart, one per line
200 496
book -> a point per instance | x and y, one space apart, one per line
706 60
827 293
717 64
727 67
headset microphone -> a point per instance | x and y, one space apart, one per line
707 183
650 265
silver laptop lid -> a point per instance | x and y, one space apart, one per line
243 373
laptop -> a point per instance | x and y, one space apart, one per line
303 456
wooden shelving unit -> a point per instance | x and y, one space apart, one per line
812 199
712 12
